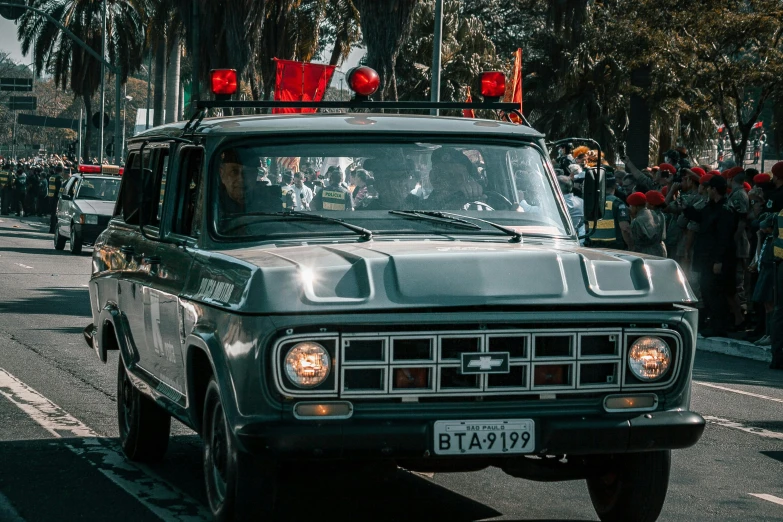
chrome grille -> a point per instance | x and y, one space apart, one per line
541 362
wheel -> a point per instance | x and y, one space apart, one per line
76 241
59 241
634 488
144 426
497 200
239 486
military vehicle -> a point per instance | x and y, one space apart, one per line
435 311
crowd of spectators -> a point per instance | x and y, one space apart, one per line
719 225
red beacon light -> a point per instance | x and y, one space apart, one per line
493 85
224 82
90 169
364 81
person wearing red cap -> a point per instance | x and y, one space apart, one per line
664 175
775 196
714 255
681 232
647 228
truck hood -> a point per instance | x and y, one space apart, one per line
383 275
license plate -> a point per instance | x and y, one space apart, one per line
484 437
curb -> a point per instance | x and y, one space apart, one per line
734 348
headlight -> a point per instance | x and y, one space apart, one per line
307 364
649 358
90 219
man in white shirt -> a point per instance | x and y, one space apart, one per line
303 195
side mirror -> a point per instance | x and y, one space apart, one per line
65 197
594 192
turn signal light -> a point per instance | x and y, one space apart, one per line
314 410
644 402
493 84
224 81
364 81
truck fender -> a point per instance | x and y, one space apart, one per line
205 340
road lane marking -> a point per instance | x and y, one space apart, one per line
727 423
741 392
163 499
48 415
23 266
769 498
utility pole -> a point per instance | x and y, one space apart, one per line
103 81
195 90
436 49
149 90
79 151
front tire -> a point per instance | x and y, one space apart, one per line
76 241
633 489
239 485
144 426
59 241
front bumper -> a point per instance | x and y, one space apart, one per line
378 439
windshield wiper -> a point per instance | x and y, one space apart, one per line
437 217
516 237
364 232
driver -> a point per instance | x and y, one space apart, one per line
232 183
453 181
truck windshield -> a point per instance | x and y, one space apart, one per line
256 187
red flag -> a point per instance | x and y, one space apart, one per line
514 94
468 113
300 81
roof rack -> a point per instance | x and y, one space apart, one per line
356 104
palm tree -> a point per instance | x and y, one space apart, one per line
229 37
385 26
291 32
344 22
465 52
71 65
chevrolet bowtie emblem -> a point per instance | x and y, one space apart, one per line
495 362
485 363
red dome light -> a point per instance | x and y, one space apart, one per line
364 81
224 81
493 84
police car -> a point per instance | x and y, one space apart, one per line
435 311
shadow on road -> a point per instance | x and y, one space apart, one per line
60 479
48 250
50 301
725 369
28 234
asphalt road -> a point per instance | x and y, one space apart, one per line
58 435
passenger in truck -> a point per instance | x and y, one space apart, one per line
232 184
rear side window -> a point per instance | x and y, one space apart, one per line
127 207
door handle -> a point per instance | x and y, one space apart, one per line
127 250
150 260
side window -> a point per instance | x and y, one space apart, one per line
188 209
127 207
71 190
67 190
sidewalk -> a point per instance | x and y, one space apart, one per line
734 347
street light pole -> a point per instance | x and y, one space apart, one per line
437 39
103 81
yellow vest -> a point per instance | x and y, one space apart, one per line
604 231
